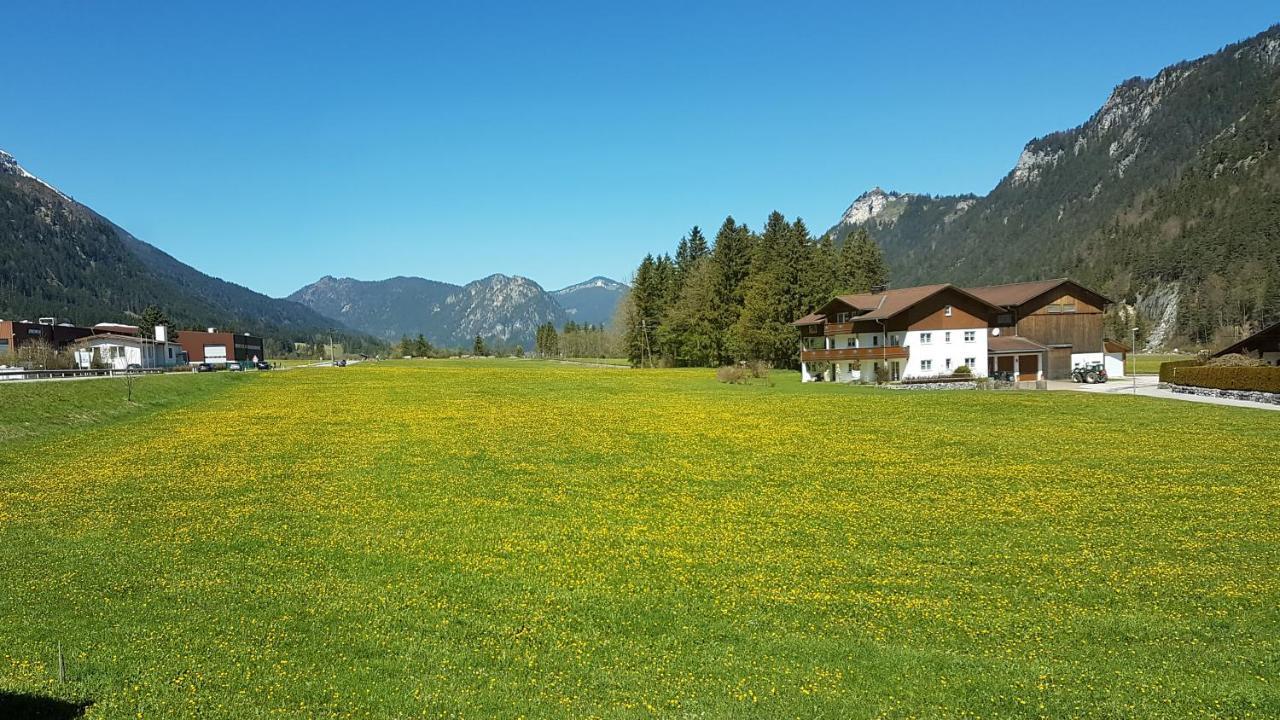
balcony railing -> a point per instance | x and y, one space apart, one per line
884 352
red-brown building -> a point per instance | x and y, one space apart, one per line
219 348
1030 331
16 333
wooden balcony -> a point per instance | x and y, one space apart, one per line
886 352
845 328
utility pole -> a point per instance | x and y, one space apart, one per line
1133 350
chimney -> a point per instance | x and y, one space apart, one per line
162 333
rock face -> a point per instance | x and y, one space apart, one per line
594 301
1172 183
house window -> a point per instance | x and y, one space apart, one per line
875 341
971 362
842 317
946 336
926 338
851 342
948 361
850 366
947 311
926 364
1004 319
970 335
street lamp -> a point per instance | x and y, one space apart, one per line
1133 352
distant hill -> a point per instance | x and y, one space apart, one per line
1167 199
506 309
593 301
60 258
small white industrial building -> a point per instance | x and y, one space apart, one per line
120 351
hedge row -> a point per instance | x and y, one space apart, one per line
1167 368
1261 379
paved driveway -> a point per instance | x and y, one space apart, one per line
1148 386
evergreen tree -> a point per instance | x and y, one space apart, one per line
150 318
643 305
773 295
732 265
860 266
692 327
477 347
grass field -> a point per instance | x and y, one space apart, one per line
513 538
1149 364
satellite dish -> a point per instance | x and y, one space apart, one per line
995 331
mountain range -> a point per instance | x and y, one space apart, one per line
60 258
1167 200
502 308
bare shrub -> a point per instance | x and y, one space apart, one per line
1234 360
732 374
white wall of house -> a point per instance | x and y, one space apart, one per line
1087 358
931 352
940 352
1115 365
119 354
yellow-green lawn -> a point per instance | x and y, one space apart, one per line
516 538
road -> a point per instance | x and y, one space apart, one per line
1148 386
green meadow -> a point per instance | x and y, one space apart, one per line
477 539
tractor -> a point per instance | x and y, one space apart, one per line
1093 372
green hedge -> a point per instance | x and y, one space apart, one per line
1264 379
1167 368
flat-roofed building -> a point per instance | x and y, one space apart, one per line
219 348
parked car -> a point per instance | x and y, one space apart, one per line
134 366
340 363
204 367
261 365
234 367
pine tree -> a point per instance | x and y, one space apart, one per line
477 347
693 327
773 296
732 265
150 318
642 312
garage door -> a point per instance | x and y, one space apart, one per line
1059 363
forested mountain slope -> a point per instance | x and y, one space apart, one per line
1166 198
60 258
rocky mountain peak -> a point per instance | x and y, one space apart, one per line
869 205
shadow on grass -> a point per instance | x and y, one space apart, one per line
36 707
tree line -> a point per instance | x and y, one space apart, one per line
576 340
734 299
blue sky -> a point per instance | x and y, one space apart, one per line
273 143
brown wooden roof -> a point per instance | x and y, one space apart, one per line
882 306
1012 344
1259 341
811 319
1011 294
